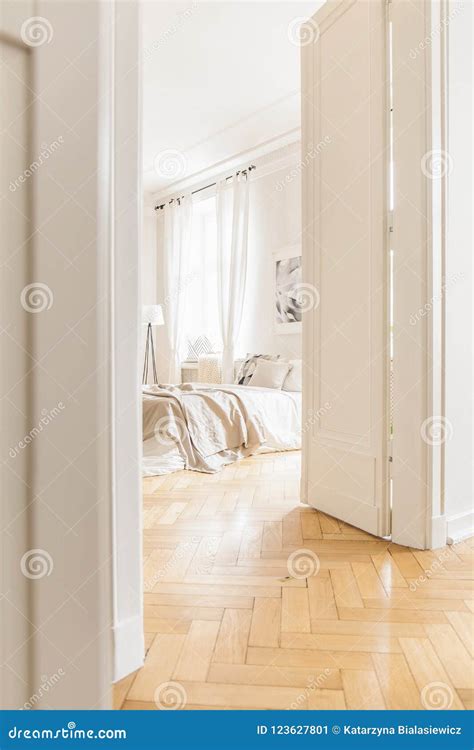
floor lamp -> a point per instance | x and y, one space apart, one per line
152 315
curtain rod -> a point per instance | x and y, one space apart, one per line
193 192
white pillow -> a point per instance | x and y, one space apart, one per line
294 379
269 374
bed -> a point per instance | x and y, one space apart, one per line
203 427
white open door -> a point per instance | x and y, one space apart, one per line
345 147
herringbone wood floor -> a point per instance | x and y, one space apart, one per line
232 622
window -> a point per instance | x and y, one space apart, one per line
201 324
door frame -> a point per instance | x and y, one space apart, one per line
418 515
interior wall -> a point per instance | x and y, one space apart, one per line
79 435
459 330
70 517
153 290
274 223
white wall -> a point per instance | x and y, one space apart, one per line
153 291
71 606
82 205
149 253
15 346
459 449
274 222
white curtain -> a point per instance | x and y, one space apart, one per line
232 205
178 217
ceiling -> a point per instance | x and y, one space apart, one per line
219 78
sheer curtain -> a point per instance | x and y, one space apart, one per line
232 205
201 329
177 236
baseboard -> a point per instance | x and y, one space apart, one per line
129 647
460 527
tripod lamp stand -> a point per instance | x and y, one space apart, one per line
152 315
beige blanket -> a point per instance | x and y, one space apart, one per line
210 426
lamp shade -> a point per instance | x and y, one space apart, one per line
152 314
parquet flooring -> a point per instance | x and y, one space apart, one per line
253 600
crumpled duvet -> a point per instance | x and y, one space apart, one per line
210 426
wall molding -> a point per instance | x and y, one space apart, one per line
221 169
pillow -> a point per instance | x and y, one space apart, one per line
293 381
270 374
248 366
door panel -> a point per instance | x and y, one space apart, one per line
345 263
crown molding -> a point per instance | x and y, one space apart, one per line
283 147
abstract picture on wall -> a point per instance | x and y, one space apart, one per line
288 281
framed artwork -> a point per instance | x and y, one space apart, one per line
287 279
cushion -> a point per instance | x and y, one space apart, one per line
269 374
248 366
293 381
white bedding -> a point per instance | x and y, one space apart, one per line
276 412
